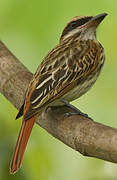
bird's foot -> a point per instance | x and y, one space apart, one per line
76 110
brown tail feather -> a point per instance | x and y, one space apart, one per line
21 144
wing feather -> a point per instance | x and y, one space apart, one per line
58 74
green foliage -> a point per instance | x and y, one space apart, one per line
31 29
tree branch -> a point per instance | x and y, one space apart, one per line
82 134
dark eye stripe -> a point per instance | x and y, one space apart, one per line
82 21
74 24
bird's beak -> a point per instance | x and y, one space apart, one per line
95 21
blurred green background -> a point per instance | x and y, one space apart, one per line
30 29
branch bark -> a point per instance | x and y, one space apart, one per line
82 134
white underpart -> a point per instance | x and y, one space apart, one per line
40 85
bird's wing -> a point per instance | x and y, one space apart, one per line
62 70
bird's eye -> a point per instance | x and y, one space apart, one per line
73 25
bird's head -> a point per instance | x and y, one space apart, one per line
83 27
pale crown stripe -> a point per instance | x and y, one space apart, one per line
40 85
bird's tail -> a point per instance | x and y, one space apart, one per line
23 137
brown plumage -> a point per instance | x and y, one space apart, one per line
66 73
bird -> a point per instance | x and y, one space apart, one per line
67 72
